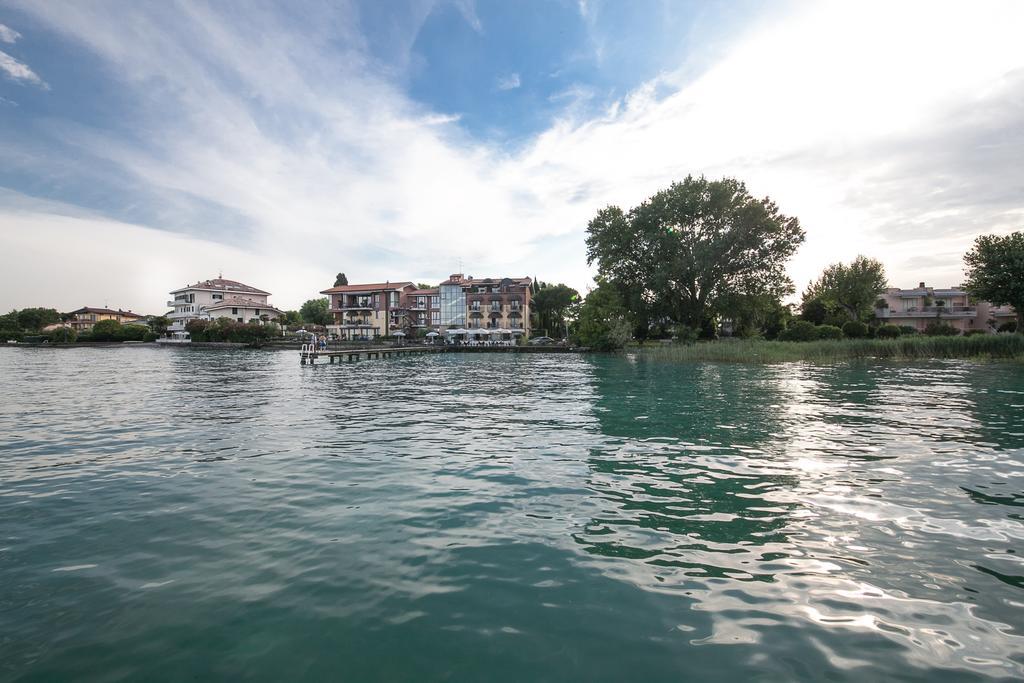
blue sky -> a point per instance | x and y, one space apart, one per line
280 143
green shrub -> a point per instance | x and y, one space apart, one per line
686 334
973 333
829 332
908 329
228 330
62 335
134 333
799 331
1008 326
106 331
941 330
10 335
888 332
855 329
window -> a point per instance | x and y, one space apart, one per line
453 306
257 312
234 311
218 297
435 317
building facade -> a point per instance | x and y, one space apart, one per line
218 298
485 305
923 305
476 306
371 310
86 317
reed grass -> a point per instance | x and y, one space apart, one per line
989 346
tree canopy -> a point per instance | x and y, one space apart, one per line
602 323
554 306
315 311
32 319
995 271
848 289
340 280
688 251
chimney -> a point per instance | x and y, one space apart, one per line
920 285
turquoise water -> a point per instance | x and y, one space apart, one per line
180 514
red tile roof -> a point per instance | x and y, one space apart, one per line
222 285
372 287
109 311
238 302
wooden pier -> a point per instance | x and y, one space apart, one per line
309 355
350 355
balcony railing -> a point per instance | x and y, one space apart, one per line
925 311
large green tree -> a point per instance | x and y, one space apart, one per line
688 250
340 280
995 271
603 324
160 324
315 311
850 290
554 306
34 319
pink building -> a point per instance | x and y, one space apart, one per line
924 305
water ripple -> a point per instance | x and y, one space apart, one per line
172 513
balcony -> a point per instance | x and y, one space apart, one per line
364 305
929 312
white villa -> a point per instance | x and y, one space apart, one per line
218 298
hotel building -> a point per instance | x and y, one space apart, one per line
218 298
459 305
487 305
924 305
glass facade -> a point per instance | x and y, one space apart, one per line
453 306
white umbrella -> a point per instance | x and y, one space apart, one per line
399 333
433 334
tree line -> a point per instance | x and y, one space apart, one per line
706 252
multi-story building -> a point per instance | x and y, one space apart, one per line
86 317
485 305
424 308
371 310
218 298
924 305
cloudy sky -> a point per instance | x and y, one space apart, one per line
145 145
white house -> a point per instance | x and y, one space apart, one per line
218 298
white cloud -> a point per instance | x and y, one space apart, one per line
510 82
18 71
8 34
855 117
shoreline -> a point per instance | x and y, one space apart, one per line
1005 347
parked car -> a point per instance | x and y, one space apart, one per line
541 341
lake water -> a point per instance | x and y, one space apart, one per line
171 514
